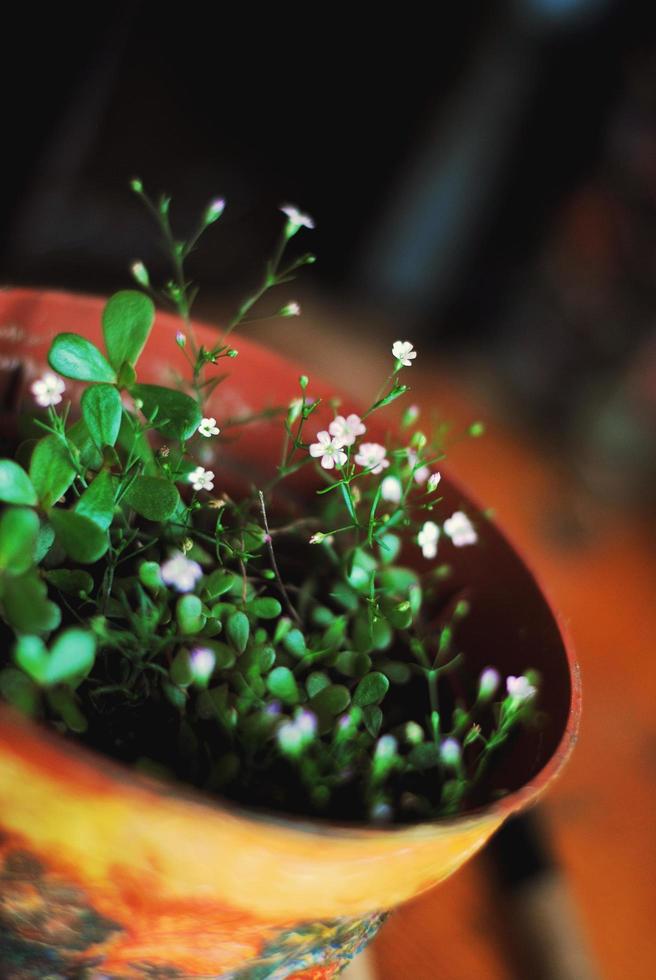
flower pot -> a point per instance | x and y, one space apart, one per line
108 873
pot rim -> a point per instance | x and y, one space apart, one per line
517 799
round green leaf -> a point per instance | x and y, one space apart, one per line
97 501
70 659
282 684
153 497
19 529
371 689
373 719
189 613
127 321
332 699
80 537
15 485
315 682
219 582
51 470
265 607
73 582
294 643
172 413
353 664
76 357
101 411
26 604
238 630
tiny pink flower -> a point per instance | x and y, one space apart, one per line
347 429
372 455
433 482
295 219
329 450
422 473
290 309
202 661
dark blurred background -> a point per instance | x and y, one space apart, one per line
483 179
484 172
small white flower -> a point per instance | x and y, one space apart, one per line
347 429
180 339
488 683
294 736
48 390
291 309
140 273
404 352
317 538
180 572
391 489
202 661
306 723
386 747
214 210
372 456
208 427
296 219
450 752
329 449
520 689
414 733
433 482
422 473
201 479
427 539
460 529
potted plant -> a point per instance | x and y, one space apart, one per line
279 673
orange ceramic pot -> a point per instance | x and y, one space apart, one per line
105 873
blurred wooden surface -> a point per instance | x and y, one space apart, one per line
599 568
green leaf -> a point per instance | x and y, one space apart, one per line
97 501
70 659
26 605
219 582
315 682
371 689
153 497
353 664
373 719
332 699
90 455
238 630
63 702
282 684
424 756
76 357
389 547
44 541
80 537
19 530
51 470
173 413
294 643
127 321
19 690
15 485
265 607
180 672
73 582
101 411
189 613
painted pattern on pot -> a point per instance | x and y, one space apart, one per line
106 873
